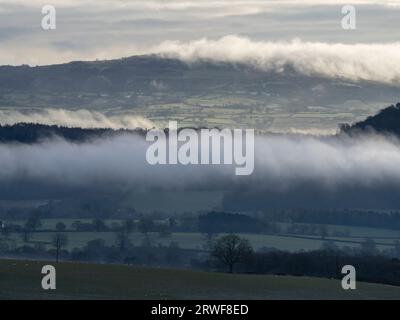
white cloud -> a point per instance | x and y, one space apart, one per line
79 118
281 162
374 62
378 62
329 161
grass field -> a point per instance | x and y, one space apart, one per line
361 232
22 280
197 241
384 239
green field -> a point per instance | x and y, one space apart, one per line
22 280
385 239
196 241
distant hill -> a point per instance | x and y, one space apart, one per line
152 80
31 133
91 76
385 121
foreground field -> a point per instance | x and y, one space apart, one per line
22 280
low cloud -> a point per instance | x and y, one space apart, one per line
330 162
80 118
342 169
371 62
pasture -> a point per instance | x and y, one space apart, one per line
384 239
22 280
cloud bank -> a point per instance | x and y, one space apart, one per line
371 62
283 163
68 118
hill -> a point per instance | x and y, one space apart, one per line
198 94
21 280
385 121
32 133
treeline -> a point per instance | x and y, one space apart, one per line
345 217
32 133
121 250
34 224
223 222
233 253
326 264
301 222
145 253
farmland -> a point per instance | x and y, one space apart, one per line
21 280
384 239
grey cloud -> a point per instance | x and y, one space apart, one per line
305 169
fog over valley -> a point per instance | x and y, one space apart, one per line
285 164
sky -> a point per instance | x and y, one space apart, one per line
105 29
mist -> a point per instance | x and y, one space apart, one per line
289 170
371 62
74 119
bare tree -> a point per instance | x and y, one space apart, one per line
25 235
122 240
34 222
59 241
146 225
129 226
232 249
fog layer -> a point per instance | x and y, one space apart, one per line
374 62
286 167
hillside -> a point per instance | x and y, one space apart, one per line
32 133
197 94
21 280
385 121
169 80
